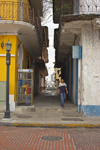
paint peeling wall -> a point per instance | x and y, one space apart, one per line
91 66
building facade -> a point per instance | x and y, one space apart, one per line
57 77
52 77
78 51
20 24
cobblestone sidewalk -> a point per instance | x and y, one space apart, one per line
18 138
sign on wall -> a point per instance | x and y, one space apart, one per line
77 52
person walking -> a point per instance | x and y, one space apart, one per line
62 89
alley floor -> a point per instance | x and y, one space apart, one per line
47 112
18 138
49 98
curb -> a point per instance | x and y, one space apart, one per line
48 125
56 125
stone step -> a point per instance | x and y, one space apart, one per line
75 114
21 109
59 109
72 112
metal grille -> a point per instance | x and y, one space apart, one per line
72 119
25 86
52 138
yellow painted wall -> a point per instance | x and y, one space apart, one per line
14 61
57 78
31 61
13 67
57 75
26 2
4 39
26 53
25 58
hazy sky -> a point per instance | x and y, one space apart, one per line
51 50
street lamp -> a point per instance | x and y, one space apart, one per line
8 48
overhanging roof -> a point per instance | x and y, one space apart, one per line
76 17
25 32
71 25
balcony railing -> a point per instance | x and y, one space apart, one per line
21 12
12 11
82 7
89 6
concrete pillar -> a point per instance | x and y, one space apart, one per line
90 71
74 77
79 84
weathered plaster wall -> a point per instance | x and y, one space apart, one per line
91 66
91 71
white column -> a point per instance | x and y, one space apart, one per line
12 103
91 71
74 78
79 84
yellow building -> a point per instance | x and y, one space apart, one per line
57 76
20 23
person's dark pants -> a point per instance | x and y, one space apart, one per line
63 97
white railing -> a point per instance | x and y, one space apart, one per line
89 7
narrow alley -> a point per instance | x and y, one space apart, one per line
49 98
46 111
46 108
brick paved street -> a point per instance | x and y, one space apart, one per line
18 138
